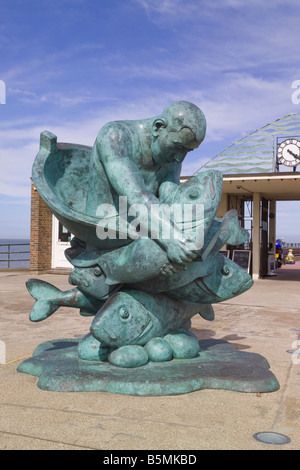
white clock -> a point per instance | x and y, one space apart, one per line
288 152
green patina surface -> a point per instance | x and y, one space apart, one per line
140 286
217 366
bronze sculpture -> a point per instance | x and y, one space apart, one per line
146 248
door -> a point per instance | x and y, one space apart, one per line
264 237
60 242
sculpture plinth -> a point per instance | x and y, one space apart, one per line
146 259
217 366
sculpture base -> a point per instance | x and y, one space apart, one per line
218 366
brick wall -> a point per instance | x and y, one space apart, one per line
40 234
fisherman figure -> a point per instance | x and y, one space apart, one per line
141 160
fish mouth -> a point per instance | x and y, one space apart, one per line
243 287
77 279
145 331
105 336
109 333
235 292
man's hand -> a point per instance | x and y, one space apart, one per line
179 255
179 251
168 269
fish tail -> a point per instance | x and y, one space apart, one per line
41 289
42 309
48 299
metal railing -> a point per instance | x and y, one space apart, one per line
290 245
10 253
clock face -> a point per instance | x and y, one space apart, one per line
288 152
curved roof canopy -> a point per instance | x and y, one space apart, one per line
255 152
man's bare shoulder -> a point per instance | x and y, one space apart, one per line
116 130
118 139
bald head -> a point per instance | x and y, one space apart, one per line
182 114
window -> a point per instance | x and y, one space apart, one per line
63 234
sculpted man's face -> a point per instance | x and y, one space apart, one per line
173 146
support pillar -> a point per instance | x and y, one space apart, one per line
256 237
272 226
40 234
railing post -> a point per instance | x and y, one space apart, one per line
8 256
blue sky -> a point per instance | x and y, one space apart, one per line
70 66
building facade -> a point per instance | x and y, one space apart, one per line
259 170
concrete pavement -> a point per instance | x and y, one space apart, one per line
264 320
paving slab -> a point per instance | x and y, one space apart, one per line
264 320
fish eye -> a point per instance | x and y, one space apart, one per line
123 313
194 194
97 271
225 270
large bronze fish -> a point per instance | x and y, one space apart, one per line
135 317
225 281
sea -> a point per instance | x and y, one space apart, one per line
17 259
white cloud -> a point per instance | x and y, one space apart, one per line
233 107
169 7
207 57
243 103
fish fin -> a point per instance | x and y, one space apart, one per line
42 309
207 312
109 281
41 289
211 241
241 236
85 312
237 234
92 309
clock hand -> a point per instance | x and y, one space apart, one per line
292 153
